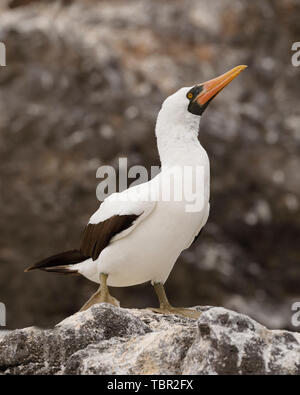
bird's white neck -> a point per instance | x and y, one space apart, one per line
177 139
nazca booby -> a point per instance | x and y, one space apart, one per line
131 238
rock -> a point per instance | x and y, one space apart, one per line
110 340
232 343
34 350
82 88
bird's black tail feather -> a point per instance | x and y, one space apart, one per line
60 263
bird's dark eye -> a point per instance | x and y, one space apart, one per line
190 95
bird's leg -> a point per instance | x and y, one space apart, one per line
101 296
166 308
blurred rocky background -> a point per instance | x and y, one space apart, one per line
82 87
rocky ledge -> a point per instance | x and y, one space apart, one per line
110 340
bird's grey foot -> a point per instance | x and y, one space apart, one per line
101 296
166 308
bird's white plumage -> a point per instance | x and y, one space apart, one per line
149 248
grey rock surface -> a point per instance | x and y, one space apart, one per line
82 87
110 340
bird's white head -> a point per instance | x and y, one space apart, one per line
178 120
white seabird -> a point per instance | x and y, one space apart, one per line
137 235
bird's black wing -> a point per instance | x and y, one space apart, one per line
97 236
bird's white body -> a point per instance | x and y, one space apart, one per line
148 250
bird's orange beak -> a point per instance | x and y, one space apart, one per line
212 87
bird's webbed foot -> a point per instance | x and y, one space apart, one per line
166 308
101 296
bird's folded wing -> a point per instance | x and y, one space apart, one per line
117 216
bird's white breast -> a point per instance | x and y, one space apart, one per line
149 252
150 249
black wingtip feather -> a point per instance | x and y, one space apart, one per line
59 263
